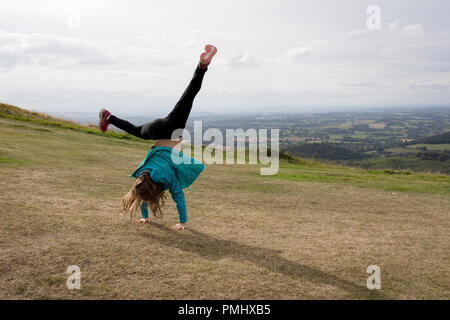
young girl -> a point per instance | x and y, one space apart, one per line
158 172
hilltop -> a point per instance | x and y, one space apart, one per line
310 231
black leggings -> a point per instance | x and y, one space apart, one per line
162 128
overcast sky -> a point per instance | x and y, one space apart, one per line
137 56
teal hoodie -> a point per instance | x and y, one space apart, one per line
174 170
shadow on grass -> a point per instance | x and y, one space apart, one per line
211 248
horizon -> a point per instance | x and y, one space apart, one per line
91 117
74 56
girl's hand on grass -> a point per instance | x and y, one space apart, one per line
179 226
143 220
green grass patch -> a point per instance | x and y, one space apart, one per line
259 187
400 150
20 126
388 180
430 147
8 160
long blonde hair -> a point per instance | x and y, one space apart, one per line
144 189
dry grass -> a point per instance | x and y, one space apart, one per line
249 237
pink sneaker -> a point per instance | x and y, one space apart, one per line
206 57
103 123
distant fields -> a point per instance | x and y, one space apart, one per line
374 140
419 147
385 127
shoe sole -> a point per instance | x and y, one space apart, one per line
210 51
100 122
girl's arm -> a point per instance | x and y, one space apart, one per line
144 213
178 197
144 210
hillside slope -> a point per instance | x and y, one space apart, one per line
309 232
12 112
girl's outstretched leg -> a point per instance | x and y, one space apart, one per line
106 118
180 113
176 119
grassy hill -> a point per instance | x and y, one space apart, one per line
12 112
308 232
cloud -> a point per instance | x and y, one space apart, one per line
430 86
249 60
413 30
394 24
360 34
58 51
300 52
391 49
290 55
370 85
253 60
392 31
227 91
142 101
209 34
